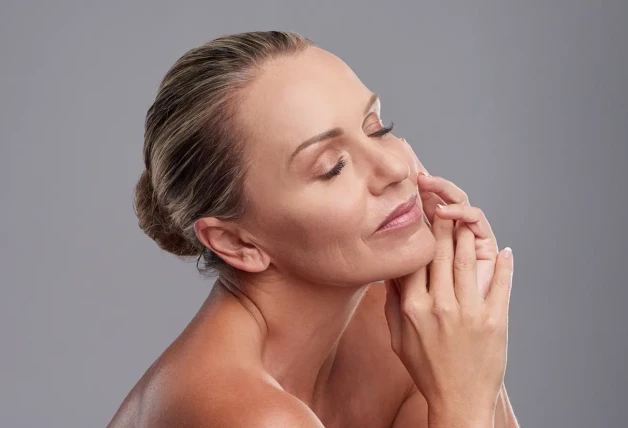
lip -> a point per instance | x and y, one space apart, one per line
400 210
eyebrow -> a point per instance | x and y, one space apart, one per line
331 133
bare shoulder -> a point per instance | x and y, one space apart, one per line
197 383
208 378
238 401
217 398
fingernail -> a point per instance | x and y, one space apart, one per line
507 252
425 173
442 207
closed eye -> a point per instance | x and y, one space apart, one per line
383 131
341 162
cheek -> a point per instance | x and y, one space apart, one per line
412 160
335 219
314 225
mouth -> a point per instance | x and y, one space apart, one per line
403 214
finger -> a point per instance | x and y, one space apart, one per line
430 202
473 217
441 267
445 189
392 312
465 269
498 298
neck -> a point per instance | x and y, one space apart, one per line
301 325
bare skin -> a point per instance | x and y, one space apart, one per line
213 374
300 338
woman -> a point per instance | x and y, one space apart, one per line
266 158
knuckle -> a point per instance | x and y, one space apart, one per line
442 224
442 309
464 262
411 307
493 324
443 254
479 214
462 194
503 281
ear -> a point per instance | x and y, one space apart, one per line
231 243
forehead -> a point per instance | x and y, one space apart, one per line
299 96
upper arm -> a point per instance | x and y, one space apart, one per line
281 410
266 407
412 412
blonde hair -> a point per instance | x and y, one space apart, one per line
193 149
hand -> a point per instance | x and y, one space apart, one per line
437 190
451 340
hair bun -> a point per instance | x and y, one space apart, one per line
156 223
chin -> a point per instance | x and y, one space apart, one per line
416 253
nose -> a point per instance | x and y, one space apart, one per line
388 166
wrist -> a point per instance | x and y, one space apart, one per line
460 417
461 422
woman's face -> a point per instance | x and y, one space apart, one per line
317 228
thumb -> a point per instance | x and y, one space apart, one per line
393 315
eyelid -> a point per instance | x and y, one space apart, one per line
379 119
375 108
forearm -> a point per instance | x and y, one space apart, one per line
501 417
504 415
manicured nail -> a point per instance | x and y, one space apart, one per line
507 252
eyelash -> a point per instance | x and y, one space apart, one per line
341 163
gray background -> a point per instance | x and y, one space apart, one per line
523 104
